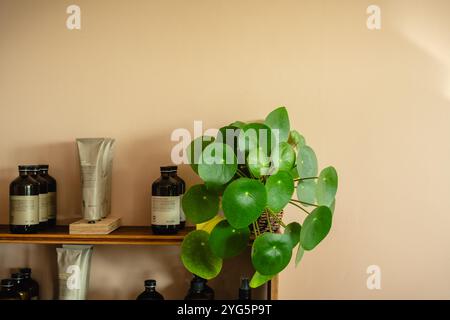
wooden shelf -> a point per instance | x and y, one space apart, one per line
121 236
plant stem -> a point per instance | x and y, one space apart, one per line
294 204
240 173
254 230
257 228
303 202
309 178
274 215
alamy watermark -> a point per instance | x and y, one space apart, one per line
257 146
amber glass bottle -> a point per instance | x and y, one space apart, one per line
43 197
7 291
19 286
181 185
51 182
165 204
24 202
150 292
30 283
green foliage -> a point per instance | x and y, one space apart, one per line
249 170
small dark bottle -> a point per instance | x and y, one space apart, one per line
43 197
150 292
207 290
165 204
7 291
19 285
181 190
24 202
245 292
197 291
51 182
30 283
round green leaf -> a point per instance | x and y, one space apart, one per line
200 204
243 202
278 119
293 230
306 191
332 206
294 172
271 253
226 241
306 162
197 256
230 136
299 255
258 163
284 157
238 124
279 187
255 135
258 280
195 149
327 185
296 139
315 227
219 164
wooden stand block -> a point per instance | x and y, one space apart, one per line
104 226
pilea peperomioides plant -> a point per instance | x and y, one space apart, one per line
252 170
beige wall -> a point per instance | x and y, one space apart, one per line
373 103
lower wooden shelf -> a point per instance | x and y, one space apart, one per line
121 236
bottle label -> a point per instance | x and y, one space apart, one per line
24 210
52 205
182 215
166 210
43 207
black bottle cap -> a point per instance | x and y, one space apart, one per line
17 276
244 290
198 286
168 169
7 283
245 283
33 168
150 283
43 167
25 271
26 167
200 279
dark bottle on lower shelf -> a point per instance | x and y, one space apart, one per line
20 287
51 182
165 204
24 202
43 197
197 291
30 283
150 292
7 291
181 185
245 292
207 290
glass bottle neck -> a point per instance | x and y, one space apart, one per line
150 289
165 174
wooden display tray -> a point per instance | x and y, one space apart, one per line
104 226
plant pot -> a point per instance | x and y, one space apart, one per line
264 225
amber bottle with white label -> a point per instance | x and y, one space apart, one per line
165 204
24 202
51 182
43 197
